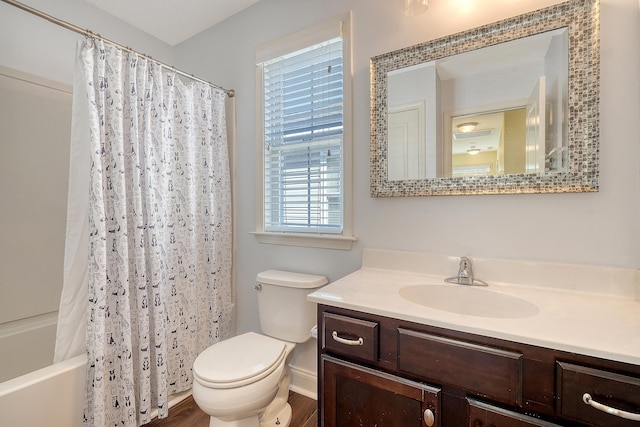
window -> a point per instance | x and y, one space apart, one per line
304 143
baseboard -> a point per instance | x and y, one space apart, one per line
173 400
304 382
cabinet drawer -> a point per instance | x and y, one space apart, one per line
350 336
481 414
482 370
611 389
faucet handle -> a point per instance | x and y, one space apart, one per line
466 262
465 274
465 271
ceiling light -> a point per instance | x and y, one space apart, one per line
467 126
415 7
473 134
473 151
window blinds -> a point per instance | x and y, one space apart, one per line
303 140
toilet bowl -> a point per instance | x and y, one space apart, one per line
236 380
244 381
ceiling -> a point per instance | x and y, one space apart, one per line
172 21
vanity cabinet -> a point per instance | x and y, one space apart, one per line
381 371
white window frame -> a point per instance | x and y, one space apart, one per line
291 43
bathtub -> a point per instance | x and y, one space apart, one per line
27 345
34 392
52 396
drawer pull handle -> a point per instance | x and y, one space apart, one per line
609 410
429 418
335 336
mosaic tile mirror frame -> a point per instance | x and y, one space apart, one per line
580 174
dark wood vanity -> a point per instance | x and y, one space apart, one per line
381 371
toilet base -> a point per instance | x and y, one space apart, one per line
252 421
282 418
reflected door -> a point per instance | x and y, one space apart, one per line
406 145
536 129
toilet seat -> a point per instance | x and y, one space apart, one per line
238 361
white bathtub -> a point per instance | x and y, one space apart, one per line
52 396
34 392
27 345
49 397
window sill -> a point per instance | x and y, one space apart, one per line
311 241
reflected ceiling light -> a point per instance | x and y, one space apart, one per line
467 126
473 151
415 7
473 134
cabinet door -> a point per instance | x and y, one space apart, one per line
481 414
353 395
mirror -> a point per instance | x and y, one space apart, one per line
511 107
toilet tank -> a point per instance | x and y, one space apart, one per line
284 310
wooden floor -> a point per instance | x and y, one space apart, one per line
187 414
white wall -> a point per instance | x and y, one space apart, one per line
592 228
33 217
36 46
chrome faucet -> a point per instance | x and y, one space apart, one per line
465 274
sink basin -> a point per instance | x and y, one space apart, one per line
468 300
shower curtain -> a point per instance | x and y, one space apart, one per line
71 334
159 250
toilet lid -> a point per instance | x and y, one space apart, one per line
239 358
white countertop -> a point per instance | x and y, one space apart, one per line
599 325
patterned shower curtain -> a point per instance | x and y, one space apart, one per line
160 233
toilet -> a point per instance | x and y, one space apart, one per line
244 381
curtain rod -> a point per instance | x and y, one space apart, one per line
230 92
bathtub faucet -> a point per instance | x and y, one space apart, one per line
465 274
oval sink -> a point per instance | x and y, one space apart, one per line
469 300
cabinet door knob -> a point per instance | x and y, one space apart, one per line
608 409
335 336
429 418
